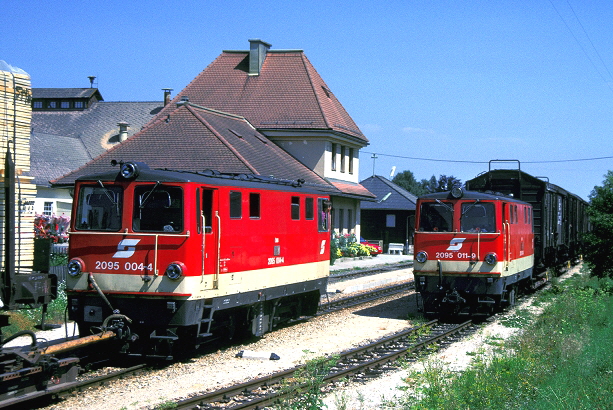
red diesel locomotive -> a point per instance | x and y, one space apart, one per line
473 251
161 256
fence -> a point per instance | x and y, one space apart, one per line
58 249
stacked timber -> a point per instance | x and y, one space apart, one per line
15 125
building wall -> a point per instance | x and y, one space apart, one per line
346 216
390 226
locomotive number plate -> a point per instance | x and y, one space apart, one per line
458 255
129 266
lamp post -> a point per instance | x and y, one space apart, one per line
374 159
407 237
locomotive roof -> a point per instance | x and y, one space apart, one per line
211 177
516 182
468 195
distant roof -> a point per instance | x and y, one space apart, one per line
66 93
52 156
203 139
399 197
288 93
96 126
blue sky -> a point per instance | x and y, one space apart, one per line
438 87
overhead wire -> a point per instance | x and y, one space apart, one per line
486 162
607 82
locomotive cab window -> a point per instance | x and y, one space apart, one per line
436 217
99 208
158 209
478 217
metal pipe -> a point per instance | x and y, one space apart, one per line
80 342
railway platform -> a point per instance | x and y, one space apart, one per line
369 262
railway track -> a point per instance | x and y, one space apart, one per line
360 363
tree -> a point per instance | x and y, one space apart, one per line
446 183
599 241
406 180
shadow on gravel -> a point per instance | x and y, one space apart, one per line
401 308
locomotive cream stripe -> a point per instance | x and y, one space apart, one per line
202 286
451 267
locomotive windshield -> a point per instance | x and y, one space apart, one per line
478 217
99 208
436 217
157 208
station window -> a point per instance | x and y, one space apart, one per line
254 206
37 104
350 158
78 104
236 199
341 220
295 207
333 166
48 208
52 104
343 151
350 221
309 212
65 104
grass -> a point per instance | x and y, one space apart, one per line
26 319
562 359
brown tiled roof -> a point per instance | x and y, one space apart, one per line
287 94
352 189
194 138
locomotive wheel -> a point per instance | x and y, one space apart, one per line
512 296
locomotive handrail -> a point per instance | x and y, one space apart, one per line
458 232
179 235
156 235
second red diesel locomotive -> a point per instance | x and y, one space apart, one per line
473 251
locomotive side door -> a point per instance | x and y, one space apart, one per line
208 229
506 233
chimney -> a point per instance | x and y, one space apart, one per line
91 80
167 92
257 55
123 131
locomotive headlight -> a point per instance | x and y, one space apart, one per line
457 192
491 258
421 257
75 267
175 270
129 170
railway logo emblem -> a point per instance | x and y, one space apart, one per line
126 248
456 244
